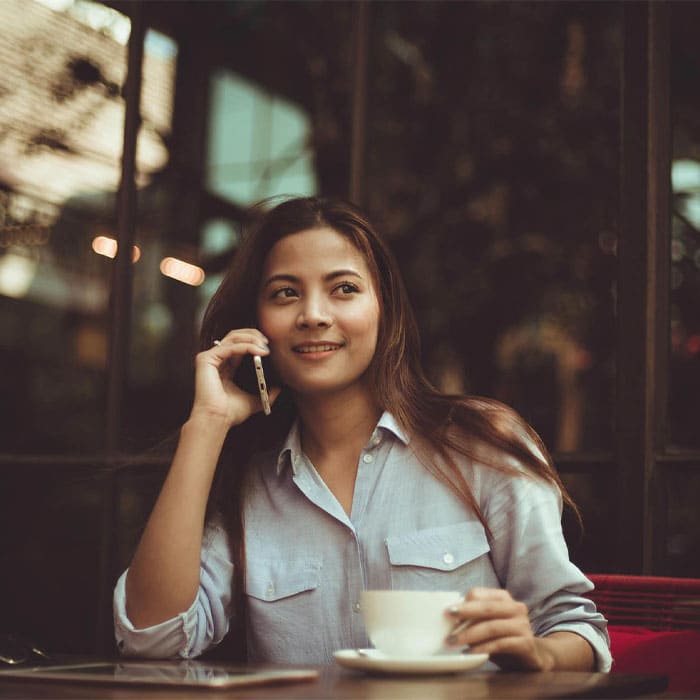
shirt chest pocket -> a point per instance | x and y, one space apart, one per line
282 593
447 558
272 580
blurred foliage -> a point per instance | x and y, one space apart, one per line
493 166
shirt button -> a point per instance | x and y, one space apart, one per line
356 607
367 458
448 558
376 440
270 590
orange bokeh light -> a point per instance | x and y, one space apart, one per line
182 271
104 245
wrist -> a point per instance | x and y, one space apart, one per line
546 655
207 422
565 651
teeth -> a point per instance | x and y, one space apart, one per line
317 348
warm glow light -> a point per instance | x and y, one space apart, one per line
182 271
16 275
104 245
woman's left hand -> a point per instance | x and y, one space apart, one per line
499 626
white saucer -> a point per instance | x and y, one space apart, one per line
373 660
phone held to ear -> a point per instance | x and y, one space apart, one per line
262 385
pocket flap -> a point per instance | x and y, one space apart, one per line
445 548
272 580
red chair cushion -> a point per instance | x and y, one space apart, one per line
675 654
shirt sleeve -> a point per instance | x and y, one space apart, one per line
203 625
532 562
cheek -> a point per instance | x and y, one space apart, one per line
366 325
270 324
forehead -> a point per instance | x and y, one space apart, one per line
322 248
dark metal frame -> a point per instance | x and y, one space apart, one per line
643 289
644 460
360 45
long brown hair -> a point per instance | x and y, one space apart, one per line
440 426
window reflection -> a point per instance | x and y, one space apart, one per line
61 124
61 136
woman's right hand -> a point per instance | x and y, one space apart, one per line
216 395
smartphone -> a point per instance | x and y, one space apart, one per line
262 385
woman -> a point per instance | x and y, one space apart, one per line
364 476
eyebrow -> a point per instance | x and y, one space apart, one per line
284 277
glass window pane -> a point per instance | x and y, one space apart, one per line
682 491
258 143
493 142
274 124
591 493
61 124
684 379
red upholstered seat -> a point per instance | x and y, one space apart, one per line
674 654
654 625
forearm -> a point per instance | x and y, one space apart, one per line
163 577
565 651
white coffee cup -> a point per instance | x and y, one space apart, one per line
408 623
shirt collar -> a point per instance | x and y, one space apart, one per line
291 453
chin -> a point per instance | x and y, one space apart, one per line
321 380
321 387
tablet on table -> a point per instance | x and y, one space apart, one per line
185 674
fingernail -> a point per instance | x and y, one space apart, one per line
451 639
453 610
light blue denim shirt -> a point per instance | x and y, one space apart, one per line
307 561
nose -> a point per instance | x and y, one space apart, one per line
314 314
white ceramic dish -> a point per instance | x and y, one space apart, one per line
373 660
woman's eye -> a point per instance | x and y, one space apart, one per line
283 293
347 288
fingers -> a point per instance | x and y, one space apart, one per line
490 622
241 341
488 614
486 631
216 393
235 344
484 603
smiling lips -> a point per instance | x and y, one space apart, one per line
306 348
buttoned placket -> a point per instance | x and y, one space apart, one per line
367 471
311 485
369 465
368 468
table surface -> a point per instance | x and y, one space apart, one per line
335 683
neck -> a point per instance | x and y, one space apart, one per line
337 422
